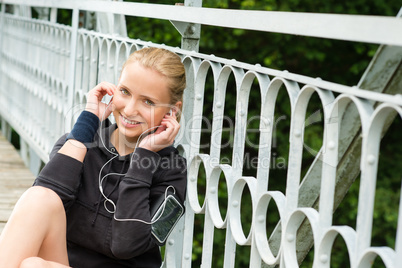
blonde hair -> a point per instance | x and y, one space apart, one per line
167 64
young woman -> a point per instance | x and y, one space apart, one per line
103 178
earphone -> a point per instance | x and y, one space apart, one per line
115 155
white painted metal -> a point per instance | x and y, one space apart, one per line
48 87
370 29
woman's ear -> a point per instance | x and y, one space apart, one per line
177 106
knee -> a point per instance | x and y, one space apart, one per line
40 195
33 262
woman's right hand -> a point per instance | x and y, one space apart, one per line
94 100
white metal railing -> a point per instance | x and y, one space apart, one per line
46 69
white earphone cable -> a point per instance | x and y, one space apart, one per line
101 179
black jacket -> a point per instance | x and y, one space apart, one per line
94 237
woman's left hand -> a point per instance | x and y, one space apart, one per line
163 136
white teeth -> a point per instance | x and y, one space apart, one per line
129 121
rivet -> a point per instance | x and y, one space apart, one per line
193 179
242 113
171 242
191 30
198 97
187 256
290 237
219 104
213 190
261 218
235 203
371 159
297 133
324 258
111 66
267 122
331 145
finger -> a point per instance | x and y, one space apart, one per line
160 129
110 88
108 110
103 88
172 120
172 128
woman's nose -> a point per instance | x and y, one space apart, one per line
131 108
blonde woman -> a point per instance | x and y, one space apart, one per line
90 205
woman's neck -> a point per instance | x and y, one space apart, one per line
121 143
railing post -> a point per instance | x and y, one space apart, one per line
53 15
5 128
71 79
190 32
2 14
3 11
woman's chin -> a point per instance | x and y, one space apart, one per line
129 134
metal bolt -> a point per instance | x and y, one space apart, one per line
371 159
331 145
191 29
267 122
324 258
290 237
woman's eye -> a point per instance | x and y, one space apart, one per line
148 102
124 91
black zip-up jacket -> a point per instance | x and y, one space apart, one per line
94 237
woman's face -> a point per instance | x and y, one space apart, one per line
141 100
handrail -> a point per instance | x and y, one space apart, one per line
368 29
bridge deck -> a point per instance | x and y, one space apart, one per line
15 178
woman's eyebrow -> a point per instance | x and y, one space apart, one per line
150 98
123 86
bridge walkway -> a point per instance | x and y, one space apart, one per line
15 178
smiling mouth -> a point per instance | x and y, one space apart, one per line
129 122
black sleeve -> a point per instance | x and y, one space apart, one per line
62 174
132 238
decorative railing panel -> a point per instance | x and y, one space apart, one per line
47 68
